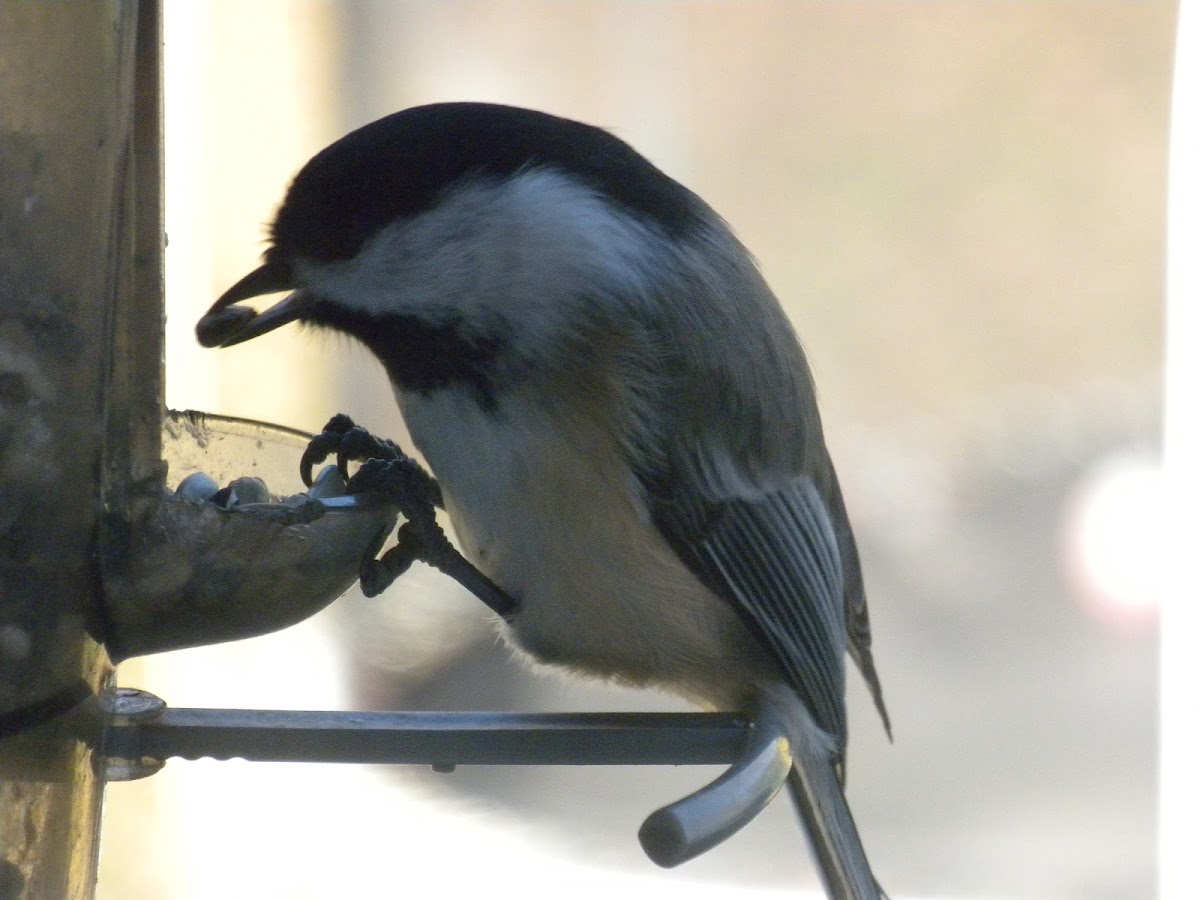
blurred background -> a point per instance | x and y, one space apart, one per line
961 207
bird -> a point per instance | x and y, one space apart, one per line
619 414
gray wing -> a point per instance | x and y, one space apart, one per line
775 558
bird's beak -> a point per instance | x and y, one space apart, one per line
226 323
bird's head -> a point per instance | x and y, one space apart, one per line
448 235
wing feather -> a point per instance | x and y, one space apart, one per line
775 556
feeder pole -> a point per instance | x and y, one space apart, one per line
81 323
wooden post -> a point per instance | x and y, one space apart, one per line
81 316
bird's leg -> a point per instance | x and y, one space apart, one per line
388 471
411 488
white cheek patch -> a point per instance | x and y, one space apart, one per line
514 253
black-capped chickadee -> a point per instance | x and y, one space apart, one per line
619 414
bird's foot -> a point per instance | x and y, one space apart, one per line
352 443
386 470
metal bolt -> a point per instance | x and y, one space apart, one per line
127 705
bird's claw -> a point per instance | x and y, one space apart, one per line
359 445
352 443
322 445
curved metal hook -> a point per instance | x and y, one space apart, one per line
697 823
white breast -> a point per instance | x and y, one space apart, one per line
548 510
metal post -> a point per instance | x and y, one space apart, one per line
80 400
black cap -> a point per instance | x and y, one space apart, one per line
399 166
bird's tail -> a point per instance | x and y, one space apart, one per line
816 789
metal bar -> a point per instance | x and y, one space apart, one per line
688 827
143 733
440 739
